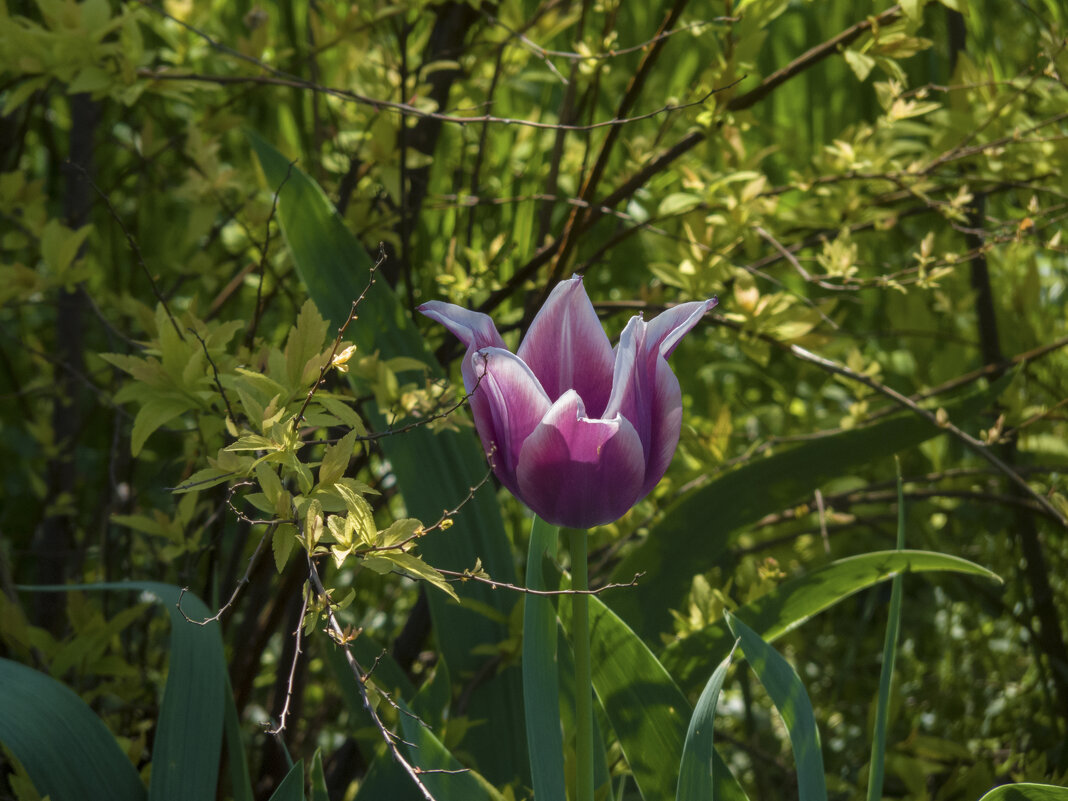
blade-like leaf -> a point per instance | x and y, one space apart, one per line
886 675
442 774
292 786
189 732
1027 792
541 672
697 773
794 602
788 694
694 535
647 711
318 778
433 471
67 751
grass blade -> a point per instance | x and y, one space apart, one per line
697 773
541 672
788 694
886 675
67 751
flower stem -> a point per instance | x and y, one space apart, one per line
580 636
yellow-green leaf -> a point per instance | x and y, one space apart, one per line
398 532
336 459
412 566
282 545
151 416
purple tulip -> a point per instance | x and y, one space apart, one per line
576 430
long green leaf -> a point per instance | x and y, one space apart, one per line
788 694
697 773
794 602
541 671
318 778
292 786
433 471
647 711
189 732
886 675
185 757
67 751
443 775
1027 792
694 535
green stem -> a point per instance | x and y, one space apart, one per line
580 635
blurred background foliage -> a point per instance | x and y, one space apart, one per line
881 184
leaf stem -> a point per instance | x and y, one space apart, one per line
580 634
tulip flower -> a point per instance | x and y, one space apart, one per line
577 430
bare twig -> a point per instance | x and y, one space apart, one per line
468 575
215 373
264 250
543 52
298 635
969 441
408 110
362 677
244 580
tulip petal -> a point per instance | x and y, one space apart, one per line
644 388
508 403
580 472
668 328
567 348
474 329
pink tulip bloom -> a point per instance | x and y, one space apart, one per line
577 430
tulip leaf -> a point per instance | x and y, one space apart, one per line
788 694
695 533
292 786
66 750
189 732
441 773
697 773
433 471
1027 792
541 672
318 778
647 711
886 674
799 599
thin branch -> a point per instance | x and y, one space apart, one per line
969 441
542 52
215 373
812 56
411 111
468 575
298 634
361 683
263 254
244 580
